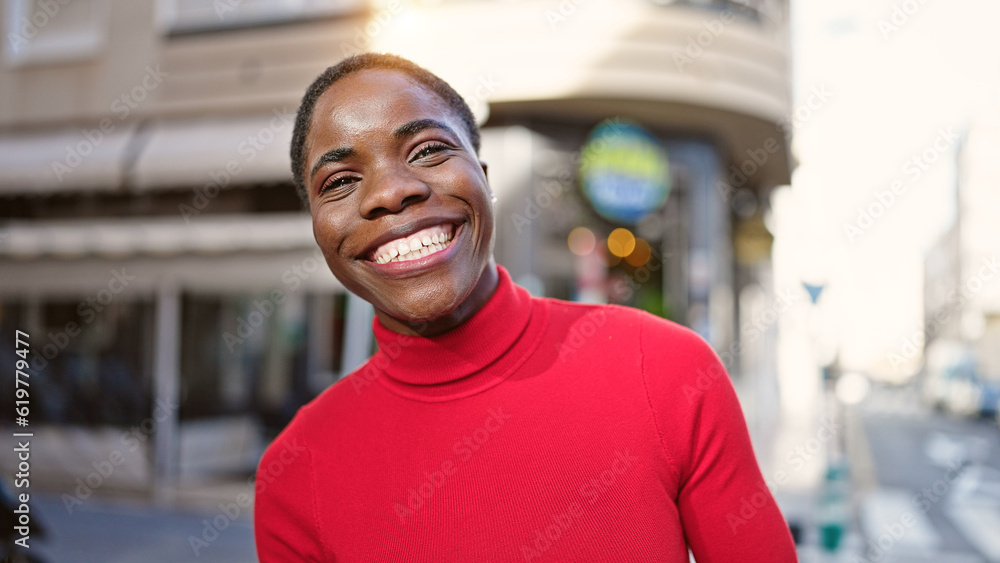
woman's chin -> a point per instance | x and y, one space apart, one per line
419 312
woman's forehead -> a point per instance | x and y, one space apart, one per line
372 100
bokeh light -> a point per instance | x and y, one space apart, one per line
581 241
852 388
621 242
640 254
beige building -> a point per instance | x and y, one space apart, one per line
152 246
962 270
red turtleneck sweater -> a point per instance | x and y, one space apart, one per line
539 430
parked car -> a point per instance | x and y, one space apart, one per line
953 384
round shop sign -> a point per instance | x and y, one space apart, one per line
624 171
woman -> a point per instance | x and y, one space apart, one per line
490 425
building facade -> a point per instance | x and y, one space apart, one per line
962 269
154 249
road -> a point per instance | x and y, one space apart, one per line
933 490
105 532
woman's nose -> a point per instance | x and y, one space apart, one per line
391 191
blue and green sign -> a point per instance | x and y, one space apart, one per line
624 171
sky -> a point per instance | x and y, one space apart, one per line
901 80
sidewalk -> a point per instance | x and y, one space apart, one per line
106 532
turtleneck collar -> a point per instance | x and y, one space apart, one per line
476 355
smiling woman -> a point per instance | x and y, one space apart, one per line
390 164
490 425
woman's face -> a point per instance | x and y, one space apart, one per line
400 202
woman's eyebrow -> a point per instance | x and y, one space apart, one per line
336 155
418 125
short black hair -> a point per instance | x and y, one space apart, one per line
350 65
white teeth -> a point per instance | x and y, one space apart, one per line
417 245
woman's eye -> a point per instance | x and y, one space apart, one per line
428 150
337 182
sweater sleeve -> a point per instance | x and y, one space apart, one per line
726 509
285 517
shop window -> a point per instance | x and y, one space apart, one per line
88 367
265 354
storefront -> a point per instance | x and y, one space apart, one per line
665 247
168 276
181 340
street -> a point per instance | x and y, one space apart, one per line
107 532
931 491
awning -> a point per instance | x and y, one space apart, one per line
226 151
156 236
212 253
71 159
176 154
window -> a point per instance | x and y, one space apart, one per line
89 362
751 10
54 31
265 354
190 16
